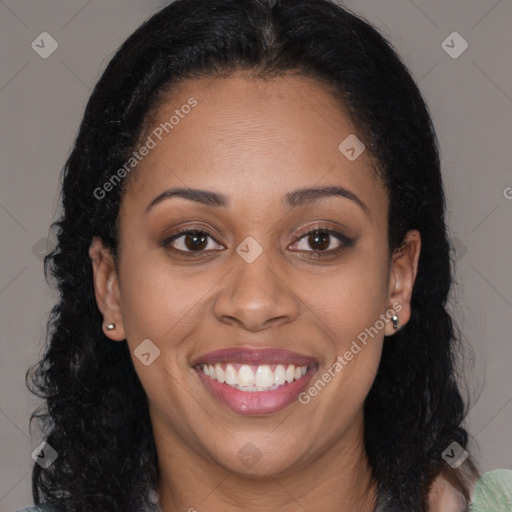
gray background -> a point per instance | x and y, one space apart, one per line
470 97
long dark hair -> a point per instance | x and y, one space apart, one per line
96 413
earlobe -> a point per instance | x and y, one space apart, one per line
404 268
106 289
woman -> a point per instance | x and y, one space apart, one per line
254 269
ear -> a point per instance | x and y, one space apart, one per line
404 267
106 288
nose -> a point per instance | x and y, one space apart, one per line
257 295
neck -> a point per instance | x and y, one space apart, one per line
337 479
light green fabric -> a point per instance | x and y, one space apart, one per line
493 492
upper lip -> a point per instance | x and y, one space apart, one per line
254 357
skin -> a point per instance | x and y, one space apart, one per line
254 141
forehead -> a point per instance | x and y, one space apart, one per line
254 139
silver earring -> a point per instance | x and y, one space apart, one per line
110 327
394 319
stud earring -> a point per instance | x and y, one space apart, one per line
394 319
110 327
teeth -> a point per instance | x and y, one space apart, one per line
250 379
231 376
264 376
280 375
219 373
290 373
245 376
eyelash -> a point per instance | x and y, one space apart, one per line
345 241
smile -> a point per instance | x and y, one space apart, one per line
255 382
254 378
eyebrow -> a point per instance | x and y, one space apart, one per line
294 199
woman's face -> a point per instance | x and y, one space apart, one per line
254 291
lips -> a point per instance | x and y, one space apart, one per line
255 381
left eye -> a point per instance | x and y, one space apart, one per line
321 241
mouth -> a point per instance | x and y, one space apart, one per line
255 382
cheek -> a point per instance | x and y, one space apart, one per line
163 306
349 298
353 301
159 302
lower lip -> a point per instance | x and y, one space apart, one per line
256 403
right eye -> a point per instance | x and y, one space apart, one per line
193 241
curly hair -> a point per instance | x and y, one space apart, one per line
96 412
